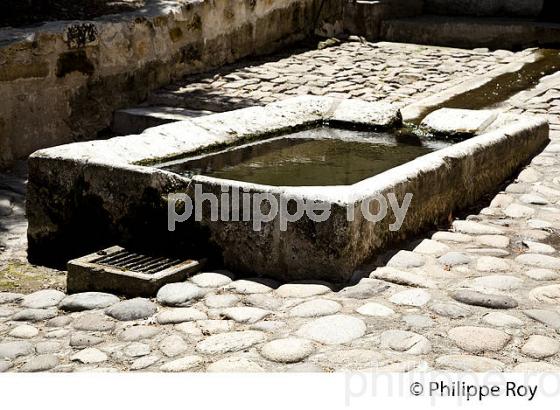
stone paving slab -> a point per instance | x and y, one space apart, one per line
481 296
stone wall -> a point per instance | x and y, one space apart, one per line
62 81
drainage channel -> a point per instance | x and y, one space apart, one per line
501 88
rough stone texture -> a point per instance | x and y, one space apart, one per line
183 364
502 320
212 279
87 301
40 363
132 309
479 339
335 329
42 299
180 315
245 314
315 308
539 347
179 294
12 350
453 120
230 342
289 350
405 342
375 309
467 363
412 297
90 355
234 364
483 299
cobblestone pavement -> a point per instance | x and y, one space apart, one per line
484 295
370 71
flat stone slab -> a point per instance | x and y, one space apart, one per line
87 301
133 309
459 121
288 350
479 339
471 297
334 329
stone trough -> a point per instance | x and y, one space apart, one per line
86 195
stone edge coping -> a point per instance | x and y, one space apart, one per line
235 126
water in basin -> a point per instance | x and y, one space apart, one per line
320 156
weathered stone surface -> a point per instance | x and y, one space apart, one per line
5 365
132 309
547 317
502 320
24 332
35 315
270 326
288 350
540 347
234 364
93 322
418 321
406 259
498 282
90 355
6 311
476 228
454 258
471 297
539 261
190 329
452 237
375 309
496 241
245 314
542 274
41 363
537 247
316 308
364 290
519 211
349 358
179 315
533 199
12 350
491 264
405 342
10 297
59 321
144 362
183 364
212 279
43 299
402 278
135 333
475 339
546 294
335 329
468 363
230 342
87 301
213 326
84 340
179 294
221 301
431 247
173 345
301 290
411 297
456 120
248 286
48 347
451 310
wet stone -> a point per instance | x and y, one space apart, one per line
474 298
135 333
179 294
288 350
230 342
405 342
35 315
500 319
93 322
540 347
234 364
475 339
43 299
411 297
451 310
334 329
180 315
406 259
132 309
87 301
316 308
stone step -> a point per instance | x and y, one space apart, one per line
472 32
136 120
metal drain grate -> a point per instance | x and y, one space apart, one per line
121 271
136 262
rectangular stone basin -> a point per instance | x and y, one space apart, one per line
334 153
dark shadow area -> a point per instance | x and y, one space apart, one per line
551 11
